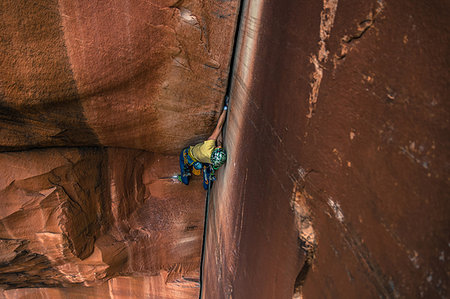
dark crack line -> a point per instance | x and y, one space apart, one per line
239 23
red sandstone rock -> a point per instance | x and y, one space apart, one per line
343 107
131 74
159 220
51 217
116 288
138 74
81 216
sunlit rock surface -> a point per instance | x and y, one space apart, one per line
137 74
337 182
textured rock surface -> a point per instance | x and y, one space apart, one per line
76 77
158 220
81 216
349 124
50 217
138 74
120 287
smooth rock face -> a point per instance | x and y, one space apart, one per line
137 74
337 180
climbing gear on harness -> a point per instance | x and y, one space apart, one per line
188 161
197 165
208 176
180 176
218 157
184 176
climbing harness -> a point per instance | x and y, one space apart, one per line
208 176
189 161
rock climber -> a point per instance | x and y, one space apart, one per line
205 156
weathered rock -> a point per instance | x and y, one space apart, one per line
138 74
338 130
51 215
158 219
82 216
116 288
135 74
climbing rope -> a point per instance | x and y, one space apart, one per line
207 205
227 98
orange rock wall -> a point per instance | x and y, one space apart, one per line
81 216
120 287
134 74
337 179
51 217
96 101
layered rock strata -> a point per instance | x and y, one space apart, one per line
82 216
50 218
120 287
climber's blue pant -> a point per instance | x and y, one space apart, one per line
184 166
206 176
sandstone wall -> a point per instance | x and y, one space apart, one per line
137 74
74 217
51 216
120 287
87 91
337 180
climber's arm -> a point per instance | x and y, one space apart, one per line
219 140
219 126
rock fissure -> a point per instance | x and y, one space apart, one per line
326 23
362 28
306 234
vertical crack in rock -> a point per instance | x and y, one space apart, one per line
362 28
326 23
306 234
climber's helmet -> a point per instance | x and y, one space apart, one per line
218 157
